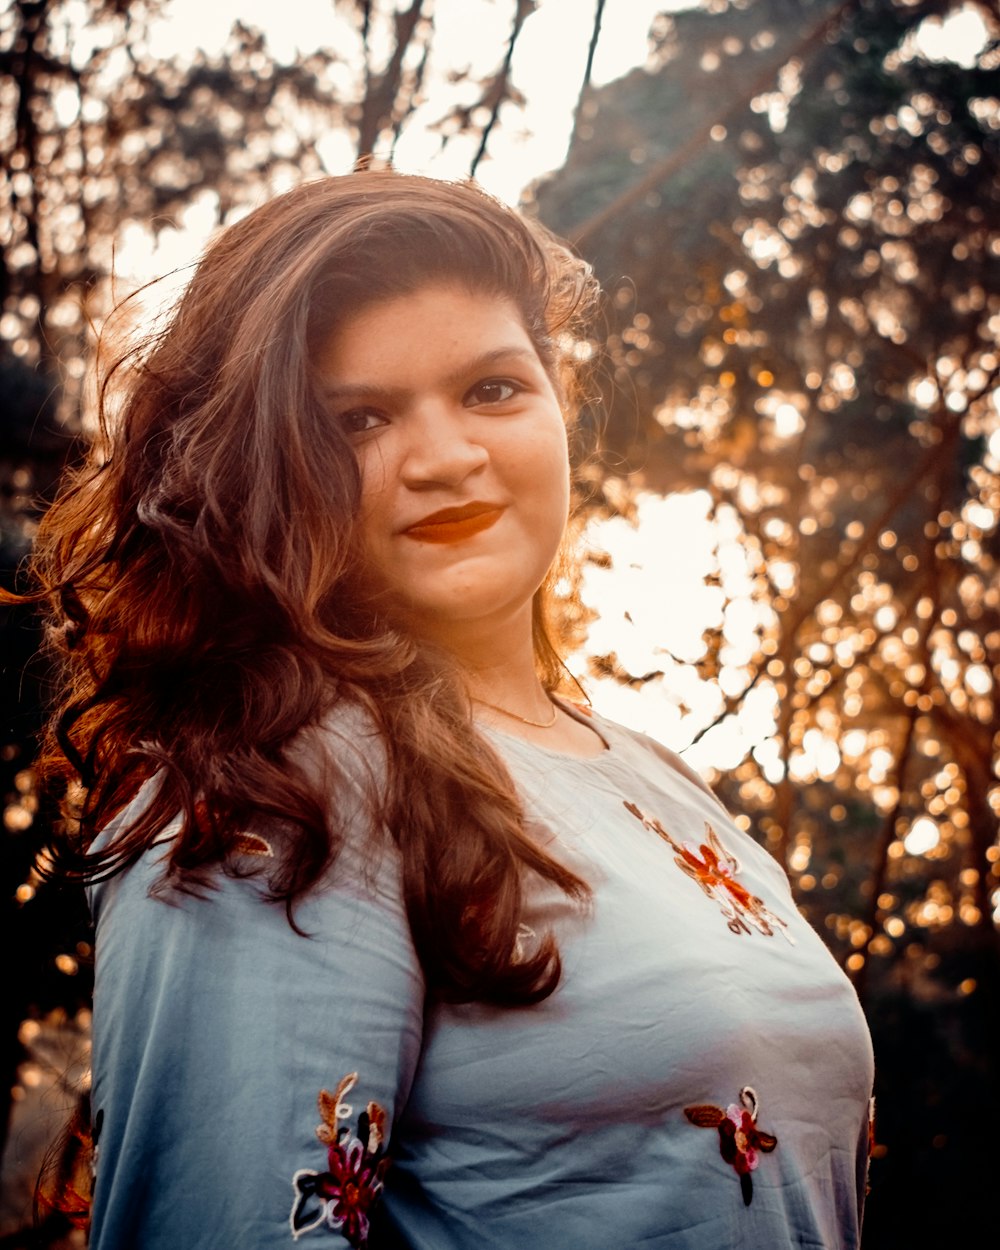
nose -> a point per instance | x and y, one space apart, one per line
442 448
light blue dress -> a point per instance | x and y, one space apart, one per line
700 1080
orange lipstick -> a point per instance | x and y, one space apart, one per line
455 525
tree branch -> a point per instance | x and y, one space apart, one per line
887 835
499 92
381 90
595 35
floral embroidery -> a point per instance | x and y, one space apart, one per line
740 1140
871 1126
243 844
871 1144
525 936
253 844
715 869
343 1195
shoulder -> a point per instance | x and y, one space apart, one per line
644 744
697 795
341 758
344 740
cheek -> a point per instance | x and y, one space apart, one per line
374 503
550 471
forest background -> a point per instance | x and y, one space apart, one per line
790 457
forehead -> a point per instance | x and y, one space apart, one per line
439 326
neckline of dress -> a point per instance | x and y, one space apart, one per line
588 718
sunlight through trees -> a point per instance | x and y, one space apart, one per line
793 513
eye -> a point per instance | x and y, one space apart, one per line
493 391
361 420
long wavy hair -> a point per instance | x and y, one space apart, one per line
198 571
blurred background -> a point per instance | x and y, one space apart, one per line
789 458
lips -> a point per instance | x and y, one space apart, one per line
454 525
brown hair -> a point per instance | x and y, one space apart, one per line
198 570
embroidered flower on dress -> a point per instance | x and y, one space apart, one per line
871 1126
343 1195
525 937
741 1142
871 1144
715 869
244 843
253 844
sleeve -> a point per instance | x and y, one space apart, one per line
246 1078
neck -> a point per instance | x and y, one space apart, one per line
504 674
506 688
498 666
497 660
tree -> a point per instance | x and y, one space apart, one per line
803 196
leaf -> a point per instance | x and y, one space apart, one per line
333 1109
705 1116
252 844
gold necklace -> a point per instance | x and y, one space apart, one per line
536 724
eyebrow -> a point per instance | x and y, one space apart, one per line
372 390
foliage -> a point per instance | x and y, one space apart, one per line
808 329
794 208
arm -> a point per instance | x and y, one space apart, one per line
247 1076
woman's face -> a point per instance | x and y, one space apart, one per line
462 447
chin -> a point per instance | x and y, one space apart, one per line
469 617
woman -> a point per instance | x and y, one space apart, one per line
361 864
